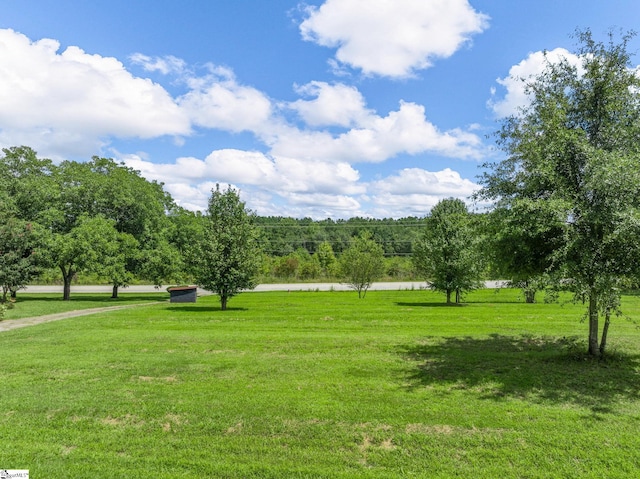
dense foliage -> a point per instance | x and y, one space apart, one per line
19 261
229 255
96 217
283 236
573 151
447 254
362 263
519 244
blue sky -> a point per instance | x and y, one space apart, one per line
328 108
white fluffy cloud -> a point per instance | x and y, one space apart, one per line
254 168
333 105
414 191
445 183
76 102
291 187
392 38
71 103
514 84
218 101
377 139
49 97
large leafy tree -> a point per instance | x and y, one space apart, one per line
447 254
61 197
92 245
27 190
137 208
362 263
574 150
229 258
19 258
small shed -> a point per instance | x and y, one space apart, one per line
183 294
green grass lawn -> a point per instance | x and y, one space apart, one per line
322 384
31 305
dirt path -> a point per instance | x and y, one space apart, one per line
9 324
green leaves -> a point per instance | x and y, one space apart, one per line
19 261
229 256
447 255
362 263
574 151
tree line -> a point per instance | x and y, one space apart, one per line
104 219
282 235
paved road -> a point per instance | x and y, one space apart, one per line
389 286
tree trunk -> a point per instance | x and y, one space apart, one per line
593 323
529 296
66 278
457 296
448 296
14 294
223 303
605 331
114 293
4 294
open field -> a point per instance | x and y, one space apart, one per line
322 384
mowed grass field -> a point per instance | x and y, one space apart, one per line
323 385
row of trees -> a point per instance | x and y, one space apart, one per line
448 252
230 252
102 218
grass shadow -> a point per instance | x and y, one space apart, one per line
431 305
543 369
201 309
106 298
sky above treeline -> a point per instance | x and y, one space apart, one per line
322 109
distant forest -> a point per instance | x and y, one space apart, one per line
282 236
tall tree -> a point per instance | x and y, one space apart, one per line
447 254
136 206
229 257
362 263
19 259
574 149
27 191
